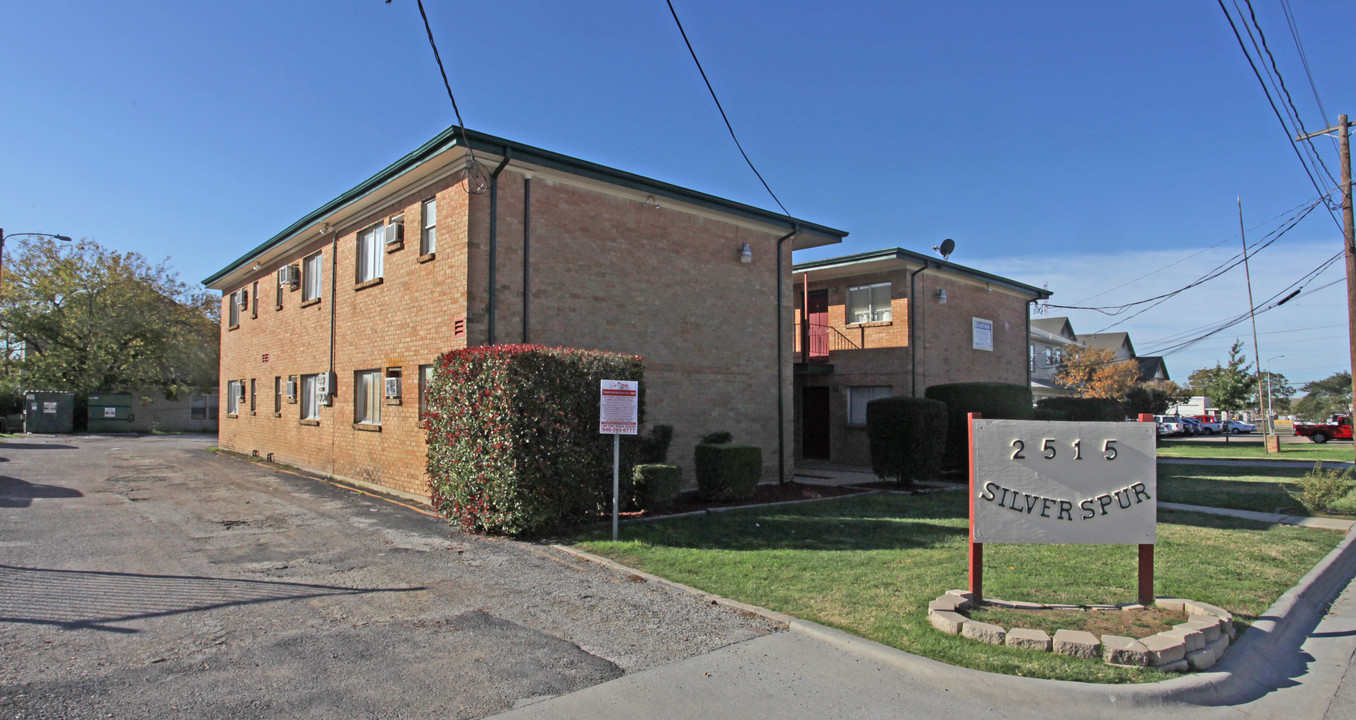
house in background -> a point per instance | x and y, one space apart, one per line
861 336
331 328
1051 340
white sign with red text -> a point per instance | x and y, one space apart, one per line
619 411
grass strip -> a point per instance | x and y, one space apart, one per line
1240 488
870 565
1252 450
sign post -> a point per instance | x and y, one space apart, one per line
1063 482
618 414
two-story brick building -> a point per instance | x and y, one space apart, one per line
865 337
330 328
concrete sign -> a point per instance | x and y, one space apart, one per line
1064 482
619 409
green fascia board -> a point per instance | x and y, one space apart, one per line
481 142
917 259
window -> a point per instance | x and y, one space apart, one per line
277 304
254 387
428 239
393 390
367 397
869 303
371 254
858 397
292 389
234 313
310 397
311 273
254 309
277 394
235 391
425 380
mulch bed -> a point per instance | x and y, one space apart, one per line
764 494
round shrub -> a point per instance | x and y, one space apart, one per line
907 436
1004 401
727 472
656 486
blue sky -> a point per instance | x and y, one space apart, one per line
1080 144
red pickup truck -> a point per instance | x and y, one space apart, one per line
1338 427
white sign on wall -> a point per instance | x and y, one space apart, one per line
982 332
1064 482
619 409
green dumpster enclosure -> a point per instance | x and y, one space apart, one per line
47 411
110 412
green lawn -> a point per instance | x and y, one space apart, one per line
1253 450
870 565
1260 489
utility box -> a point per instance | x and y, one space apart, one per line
110 412
47 411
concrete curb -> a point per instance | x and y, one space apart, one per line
1248 671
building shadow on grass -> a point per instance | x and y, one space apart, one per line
96 600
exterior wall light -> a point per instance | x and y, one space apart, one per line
746 254
941 296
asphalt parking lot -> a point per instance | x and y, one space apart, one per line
146 577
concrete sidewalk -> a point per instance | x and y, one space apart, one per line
1292 663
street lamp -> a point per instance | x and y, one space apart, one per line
4 237
1271 407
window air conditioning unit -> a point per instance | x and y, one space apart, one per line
289 276
244 299
392 387
394 233
291 389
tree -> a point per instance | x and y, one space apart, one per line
1281 391
1229 387
1154 397
1325 397
85 319
1096 373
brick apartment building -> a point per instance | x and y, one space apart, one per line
331 327
866 338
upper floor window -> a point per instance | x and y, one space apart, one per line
311 272
428 239
371 253
233 315
868 303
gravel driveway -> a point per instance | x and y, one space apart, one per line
145 577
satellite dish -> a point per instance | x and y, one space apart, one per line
947 247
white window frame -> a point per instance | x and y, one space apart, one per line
876 298
857 398
312 274
428 234
368 392
371 257
233 312
310 399
233 388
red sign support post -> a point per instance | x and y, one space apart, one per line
976 549
1146 555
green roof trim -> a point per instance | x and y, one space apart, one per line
489 144
917 259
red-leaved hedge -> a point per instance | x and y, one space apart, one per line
513 441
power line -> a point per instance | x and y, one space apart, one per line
1304 58
477 180
723 116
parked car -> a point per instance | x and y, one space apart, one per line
1238 426
1192 426
1170 423
1209 425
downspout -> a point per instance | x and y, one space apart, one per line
781 353
527 250
913 331
1030 359
494 229
332 380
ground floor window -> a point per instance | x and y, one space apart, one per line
858 397
425 380
367 392
310 397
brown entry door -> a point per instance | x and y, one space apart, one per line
814 426
817 311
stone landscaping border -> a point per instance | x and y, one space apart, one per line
1194 645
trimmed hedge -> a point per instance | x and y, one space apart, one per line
656 486
907 436
1003 401
727 472
513 441
654 447
1079 409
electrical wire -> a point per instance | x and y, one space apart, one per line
477 180
1272 102
1304 58
723 116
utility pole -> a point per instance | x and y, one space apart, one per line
1343 130
1252 312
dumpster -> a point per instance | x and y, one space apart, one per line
110 412
47 411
